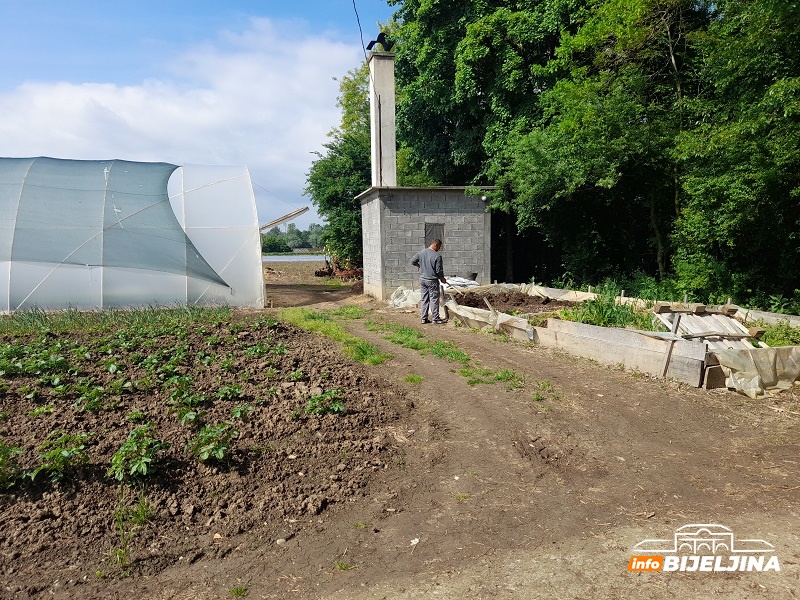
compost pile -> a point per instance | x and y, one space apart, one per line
128 449
511 302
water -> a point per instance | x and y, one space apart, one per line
295 258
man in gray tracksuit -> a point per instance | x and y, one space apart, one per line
431 272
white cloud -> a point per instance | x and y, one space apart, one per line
264 97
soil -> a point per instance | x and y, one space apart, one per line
511 302
429 485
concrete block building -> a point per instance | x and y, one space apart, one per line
399 221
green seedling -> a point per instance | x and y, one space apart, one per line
241 411
61 454
126 521
212 442
229 392
40 411
296 375
414 378
239 591
136 415
9 467
329 402
136 456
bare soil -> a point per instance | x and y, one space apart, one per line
511 302
431 489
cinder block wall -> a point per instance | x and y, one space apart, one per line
394 220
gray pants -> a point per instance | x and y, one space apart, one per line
429 299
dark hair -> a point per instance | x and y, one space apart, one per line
436 242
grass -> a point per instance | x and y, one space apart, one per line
408 337
343 566
413 378
358 349
544 390
238 591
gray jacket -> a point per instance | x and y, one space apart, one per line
429 263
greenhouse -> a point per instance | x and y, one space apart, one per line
117 234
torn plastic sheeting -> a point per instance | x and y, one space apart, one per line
761 370
403 297
460 283
479 318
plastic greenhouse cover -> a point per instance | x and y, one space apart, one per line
101 234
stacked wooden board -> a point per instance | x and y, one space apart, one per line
715 326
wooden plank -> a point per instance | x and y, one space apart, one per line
662 307
714 378
716 334
619 346
625 337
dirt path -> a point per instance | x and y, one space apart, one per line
535 492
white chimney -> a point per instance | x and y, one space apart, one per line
382 119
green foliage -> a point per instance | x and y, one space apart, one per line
126 520
334 180
781 334
242 411
212 442
9 467
476 375
61 453
230 392
413 378
273 243
277 241
136 456
328 402
606 311
42 410
632 138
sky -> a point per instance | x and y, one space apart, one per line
206 82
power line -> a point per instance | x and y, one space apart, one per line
360 31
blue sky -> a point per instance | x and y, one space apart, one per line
204 82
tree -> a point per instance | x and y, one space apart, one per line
596 173
739 230
340 174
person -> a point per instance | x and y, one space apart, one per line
431 272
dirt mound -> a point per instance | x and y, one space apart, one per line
312 429
511 302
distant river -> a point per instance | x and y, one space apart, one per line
294 258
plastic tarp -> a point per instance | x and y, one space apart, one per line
403 297
105 234
761 370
